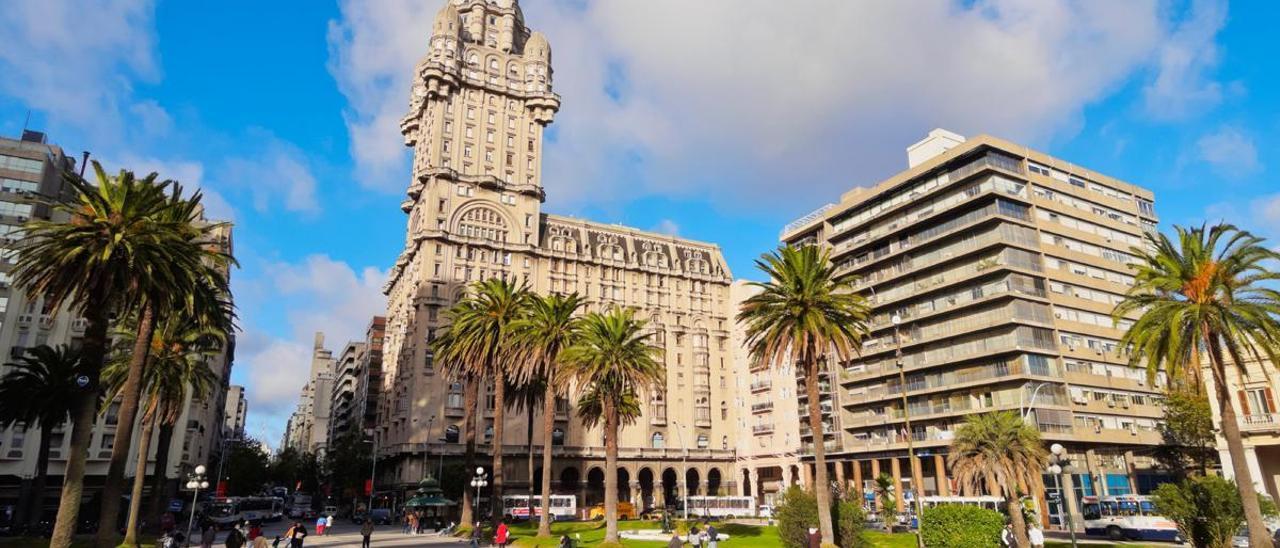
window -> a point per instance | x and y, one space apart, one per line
557 436
657 441
21 164
703 442
1258 401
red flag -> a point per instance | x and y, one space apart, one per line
368 487
222 489
298 487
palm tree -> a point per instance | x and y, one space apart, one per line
39 391
1002 453
478 348
110 244
804 313
885 492
197 287
1207 295
551 326
177 366
612 362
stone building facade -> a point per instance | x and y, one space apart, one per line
482 96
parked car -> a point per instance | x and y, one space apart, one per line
765 511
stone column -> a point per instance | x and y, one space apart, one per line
1073 506
896 469
786 477
1095 474
857 480
1131 470
1255 470
844 487
806 472
940 475
637 499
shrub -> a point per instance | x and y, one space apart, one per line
1206 509
798 511
961 526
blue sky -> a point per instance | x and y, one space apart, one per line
719 120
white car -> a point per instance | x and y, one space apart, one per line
765 511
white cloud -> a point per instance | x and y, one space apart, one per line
1229 152
315 294
76 61
744 96
189 173
1182 86
666 226
277 175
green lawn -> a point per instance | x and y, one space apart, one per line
83 541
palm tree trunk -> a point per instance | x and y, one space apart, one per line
1014 506
131 393
36 504
548 425
471 394
528 437
499 417
610 472
159 481
821 490
139 480
94 352
1258 535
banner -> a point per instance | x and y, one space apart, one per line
222 489
368 487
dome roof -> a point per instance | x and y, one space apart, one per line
447 20
537 48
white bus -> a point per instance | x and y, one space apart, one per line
722 507
563 507
260 508
987 502
1126 517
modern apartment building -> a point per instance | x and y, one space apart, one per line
768 449
31 168
1002 266
343 418
369 379
237 410
1259 419
308 428
480 100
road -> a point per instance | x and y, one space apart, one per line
345 533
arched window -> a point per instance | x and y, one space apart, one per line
483 223
657 441
473 59
493 64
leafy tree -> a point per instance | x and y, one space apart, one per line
961 526
798 511
805 312
1207 509
613 363
1187 431
247 467
1208 295
38 392
477 346
886 496
1000 452
299 471
347 465
115 241
550 327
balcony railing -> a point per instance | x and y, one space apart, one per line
761 386
762 407
762 429
1260 421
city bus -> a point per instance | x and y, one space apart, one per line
563 507
722 507
1126 517
260 508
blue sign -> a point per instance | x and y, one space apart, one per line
175 505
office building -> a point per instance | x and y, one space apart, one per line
237 410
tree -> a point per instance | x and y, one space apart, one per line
1207 509
551 326
296 470
195 288
1209 295
247 467
177 367
347 464
1000 452
1187 431
38 392
798 511
884 492
112 242
804 313
613 363
478 344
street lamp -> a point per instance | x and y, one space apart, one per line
1031 404
917 485
478 482
683 483
373 471
195 482
1059 468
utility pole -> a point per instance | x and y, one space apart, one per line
917 486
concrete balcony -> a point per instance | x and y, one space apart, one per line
1261 422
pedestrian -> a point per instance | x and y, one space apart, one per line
1006 536
255 530
366 531
675 541
321 522
500 534
566 542
207 534
295 534
713 540
413 523
815 539
408 522
328 524
694 538
476 535
235 537
1036 536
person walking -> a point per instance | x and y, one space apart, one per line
366 531
295 534
713 540
207 534
815 539
1036 536
500 534
695 538
408 522
476 535
328 524
321 522
235 537
1006 536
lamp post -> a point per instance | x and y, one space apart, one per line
683 482
373 471
1031 404
1059 467
917 486
478 482
426 452
195 482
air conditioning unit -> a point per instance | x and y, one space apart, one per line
1080 400
1111 402
1125 403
